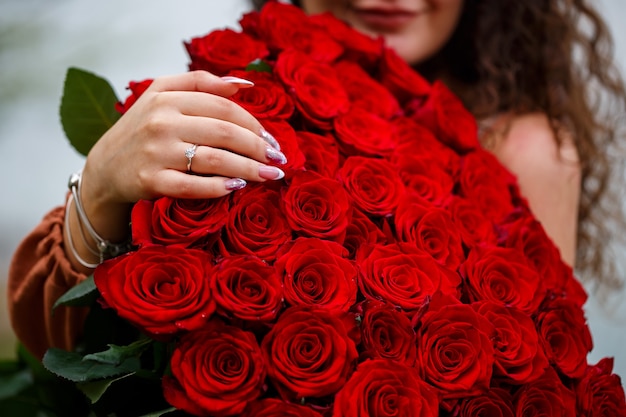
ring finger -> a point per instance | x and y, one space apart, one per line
213 161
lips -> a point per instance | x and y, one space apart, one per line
384 18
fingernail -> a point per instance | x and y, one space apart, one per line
270 173
239 82
234 184
275 156
269 138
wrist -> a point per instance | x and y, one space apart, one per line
110 218
84 241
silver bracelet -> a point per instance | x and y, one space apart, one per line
105 248
70 242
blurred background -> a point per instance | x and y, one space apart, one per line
132 40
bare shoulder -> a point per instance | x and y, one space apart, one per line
529 142
548 174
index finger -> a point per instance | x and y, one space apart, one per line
201 81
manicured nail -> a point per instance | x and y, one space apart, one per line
269 138
270 173
234 184
275 156
239 82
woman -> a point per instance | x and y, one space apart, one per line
511 62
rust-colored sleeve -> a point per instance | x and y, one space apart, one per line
38 275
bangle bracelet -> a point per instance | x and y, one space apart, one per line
70 242
105 249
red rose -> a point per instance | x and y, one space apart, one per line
317 91
267 99
183 222
426 166
365 92
224 50
161 289
504 276
475 228
547 396
284 26
136 90
449 120
494 403
425 178
317 207
573 290
358 47
216 370
256 224
315 272
413 138
600 393
565 336
519 357
454 348
402 274
524 232
361 231
387 333
430 228
249 23
485 182
385 388
361 132
373 184
246 288
401 80
309 353
321 153
273 407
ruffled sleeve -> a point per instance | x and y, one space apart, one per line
38 275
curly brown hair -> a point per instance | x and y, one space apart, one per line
555 57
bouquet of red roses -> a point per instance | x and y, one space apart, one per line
395 270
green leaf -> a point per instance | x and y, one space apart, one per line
70 365
87 108
115 355
259 65
95 389
81 295
13 384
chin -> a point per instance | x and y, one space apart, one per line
409 53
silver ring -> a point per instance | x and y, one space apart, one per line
189 154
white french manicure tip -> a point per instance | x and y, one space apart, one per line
236 80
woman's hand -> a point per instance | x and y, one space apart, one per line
143 155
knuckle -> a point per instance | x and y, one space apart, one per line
145 181
200 78
185 188
151 150
214 160
224 131
159 100
223 106
155 125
